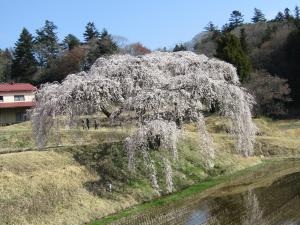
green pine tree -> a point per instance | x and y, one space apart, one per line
178 48
24 64
243 40
107 46
235 20
287 14
5 65
258 16
279 17
46 43
70 42
297 13
297 16
230 50
91 32
210 27
93 53
267 34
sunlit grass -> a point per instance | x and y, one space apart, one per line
50 187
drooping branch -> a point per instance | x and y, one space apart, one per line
163 90
105 112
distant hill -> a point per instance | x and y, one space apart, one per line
272 46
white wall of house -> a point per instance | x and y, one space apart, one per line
9 96
14 115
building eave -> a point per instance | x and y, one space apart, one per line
6 105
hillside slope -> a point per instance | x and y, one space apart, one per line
271 46
68 185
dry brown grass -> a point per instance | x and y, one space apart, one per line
19 136
49 187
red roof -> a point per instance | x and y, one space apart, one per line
16 87
16 104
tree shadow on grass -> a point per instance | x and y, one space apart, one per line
109 162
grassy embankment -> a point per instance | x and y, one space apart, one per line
67 185
252 177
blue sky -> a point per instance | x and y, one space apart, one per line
155 23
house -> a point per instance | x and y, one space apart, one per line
15 99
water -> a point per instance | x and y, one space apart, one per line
267 196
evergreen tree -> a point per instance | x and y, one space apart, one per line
104 45
287 14
297 13
243 41
175 49
226 28
5 65
93 53
235 20
258 16
210 27
279 17
71 41
178 48
24 64
107 45
91 32
267 34
230 50
69 62
290 64
46 43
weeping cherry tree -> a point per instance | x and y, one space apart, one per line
163 90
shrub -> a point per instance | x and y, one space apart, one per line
271 93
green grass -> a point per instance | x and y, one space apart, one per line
178 196
190 192
162 201
70 177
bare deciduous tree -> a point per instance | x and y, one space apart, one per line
270 92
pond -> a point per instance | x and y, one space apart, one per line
266 196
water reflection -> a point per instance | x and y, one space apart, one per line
274 203
253 212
